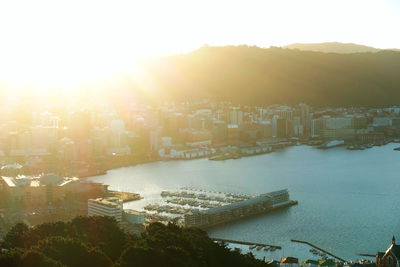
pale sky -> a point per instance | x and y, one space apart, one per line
52 41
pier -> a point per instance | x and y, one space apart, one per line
367 255
320 249
246 243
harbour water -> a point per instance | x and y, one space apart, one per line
348 200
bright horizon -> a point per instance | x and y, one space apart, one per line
49 43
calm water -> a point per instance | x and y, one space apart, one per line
349 201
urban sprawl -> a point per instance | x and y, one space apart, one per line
45 155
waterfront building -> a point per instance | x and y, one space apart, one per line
266 127
389 258
367 136
184 152
232 134
111 207
197 138
47 189
297 127
317 125
281 128
382 121
338 122
219 131
347 134
134 217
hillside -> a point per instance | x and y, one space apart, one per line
333 47
253 75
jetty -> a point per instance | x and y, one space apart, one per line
320 249
246 243
367 255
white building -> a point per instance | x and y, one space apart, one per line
338 123
382 121
106 207
155 139
134 217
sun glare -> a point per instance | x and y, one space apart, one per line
48 43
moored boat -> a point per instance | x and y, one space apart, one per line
332 144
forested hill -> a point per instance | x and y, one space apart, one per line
334 47
253 75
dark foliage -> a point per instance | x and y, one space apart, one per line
98 241
32 258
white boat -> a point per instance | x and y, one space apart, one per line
331 144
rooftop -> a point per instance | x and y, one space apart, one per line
110 201
37 181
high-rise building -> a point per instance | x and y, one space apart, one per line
235 116
281 128
305 118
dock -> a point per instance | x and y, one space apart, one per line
320 249
246 243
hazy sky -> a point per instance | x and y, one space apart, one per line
60 41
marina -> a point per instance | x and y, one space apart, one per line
204 209
223 214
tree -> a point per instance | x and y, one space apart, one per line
72 252
15 238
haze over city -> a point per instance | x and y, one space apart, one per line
200 133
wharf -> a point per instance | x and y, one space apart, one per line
246 243
124 196
320 249
367 255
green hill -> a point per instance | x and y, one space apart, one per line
255 75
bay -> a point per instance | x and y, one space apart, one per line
349 201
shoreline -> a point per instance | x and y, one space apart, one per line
212 157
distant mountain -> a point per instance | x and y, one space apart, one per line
333 47
253 75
